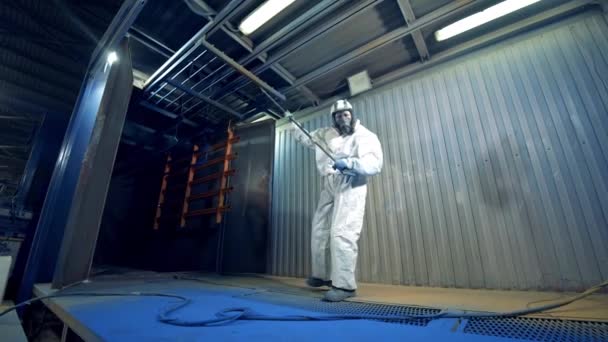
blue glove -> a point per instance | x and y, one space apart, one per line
342 164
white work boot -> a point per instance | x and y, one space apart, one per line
338 295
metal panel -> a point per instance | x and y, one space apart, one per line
82 227
243 244
494 171
65 178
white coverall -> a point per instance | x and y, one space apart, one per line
337 222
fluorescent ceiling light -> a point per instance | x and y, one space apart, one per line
262 14
482 17
112 57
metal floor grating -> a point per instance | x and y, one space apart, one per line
348 308
538 329
532 329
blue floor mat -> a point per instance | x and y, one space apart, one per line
134 319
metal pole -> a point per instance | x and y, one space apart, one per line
295 122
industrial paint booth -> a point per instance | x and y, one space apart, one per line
495 156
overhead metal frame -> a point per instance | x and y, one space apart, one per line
187 49
193 82
230 84
170 70
299 24
167 70
317 30
248 45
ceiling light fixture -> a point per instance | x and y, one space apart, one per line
481 18
262 14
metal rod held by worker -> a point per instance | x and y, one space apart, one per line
299 125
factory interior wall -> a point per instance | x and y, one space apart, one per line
494 173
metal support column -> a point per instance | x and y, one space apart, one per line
79 148
84 219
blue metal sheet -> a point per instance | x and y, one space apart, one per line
56 208
44 152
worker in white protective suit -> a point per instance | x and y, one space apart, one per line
338 220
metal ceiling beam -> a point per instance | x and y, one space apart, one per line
483 41
35 83
341 18
180 55
248 45
44 55
21 105
274 59
289 78
25 94
22 20
410 17
13 158
49 46
14 147
83 27
8 111
150 42
442 13
18 61
462 49
294 27
11 117
51 29
288 31
226 13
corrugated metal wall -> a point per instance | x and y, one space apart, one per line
495 171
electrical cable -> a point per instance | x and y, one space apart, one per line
93 294
231 315
523 312
299 125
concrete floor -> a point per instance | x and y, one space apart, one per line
10 326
